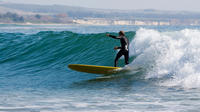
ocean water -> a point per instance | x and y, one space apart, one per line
34 76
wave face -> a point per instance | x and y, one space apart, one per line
171 57
48 47
174 56
49 52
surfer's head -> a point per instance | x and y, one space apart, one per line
121 33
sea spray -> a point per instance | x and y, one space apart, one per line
173 54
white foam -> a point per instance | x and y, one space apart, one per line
174 53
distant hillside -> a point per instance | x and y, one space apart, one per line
12 13
80 12
28 13
4 10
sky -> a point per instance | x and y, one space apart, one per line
178 5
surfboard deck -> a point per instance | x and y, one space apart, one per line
94 69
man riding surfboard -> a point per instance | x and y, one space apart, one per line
124 49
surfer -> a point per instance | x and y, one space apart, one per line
124 49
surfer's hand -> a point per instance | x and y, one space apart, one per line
108 35
116 48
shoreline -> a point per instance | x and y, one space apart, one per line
65 24
35 24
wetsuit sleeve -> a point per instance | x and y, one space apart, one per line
115 37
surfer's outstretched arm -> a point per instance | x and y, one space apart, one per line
115 37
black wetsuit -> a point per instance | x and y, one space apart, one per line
124 49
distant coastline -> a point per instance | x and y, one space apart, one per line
101 22
28 14
35 24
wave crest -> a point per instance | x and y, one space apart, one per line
169 54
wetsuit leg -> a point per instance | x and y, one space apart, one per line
126 56
119 54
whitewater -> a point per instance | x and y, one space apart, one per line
173 54
34 76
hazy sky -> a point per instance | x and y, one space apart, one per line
187 5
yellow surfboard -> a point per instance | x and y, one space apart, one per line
94 69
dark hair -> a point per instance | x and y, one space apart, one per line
122 33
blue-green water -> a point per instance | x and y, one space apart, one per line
34 76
